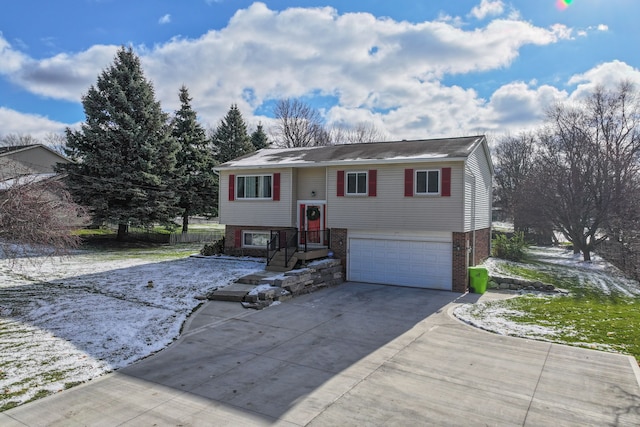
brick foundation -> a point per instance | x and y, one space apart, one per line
231 247
338 245
483 245
460 276
464 255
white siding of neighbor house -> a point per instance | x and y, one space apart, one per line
478 191
268 213
311 179
29 160
390 209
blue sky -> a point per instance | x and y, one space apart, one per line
413 69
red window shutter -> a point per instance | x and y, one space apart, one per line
445 191
276 186
373 182
232 188
238 238
408 183
340 184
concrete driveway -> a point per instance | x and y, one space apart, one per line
353 355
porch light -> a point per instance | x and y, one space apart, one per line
313 193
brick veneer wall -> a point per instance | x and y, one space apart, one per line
231 247
338 245
463 256
483 245
460 275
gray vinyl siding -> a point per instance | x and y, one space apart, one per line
311 179
29 160
390 209
268 213
478 190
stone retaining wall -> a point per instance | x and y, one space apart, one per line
318 275
511 283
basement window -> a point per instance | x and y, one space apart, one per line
255 239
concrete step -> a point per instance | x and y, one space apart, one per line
234 292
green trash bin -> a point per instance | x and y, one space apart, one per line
478 279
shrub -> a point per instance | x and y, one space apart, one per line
215 248
511 248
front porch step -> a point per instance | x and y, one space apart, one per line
277 263
312 254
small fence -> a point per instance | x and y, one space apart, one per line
173 238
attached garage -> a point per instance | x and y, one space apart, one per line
423 261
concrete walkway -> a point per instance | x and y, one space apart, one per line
352 355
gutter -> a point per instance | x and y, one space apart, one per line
277 165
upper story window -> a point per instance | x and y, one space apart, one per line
427 182
254 187
356 183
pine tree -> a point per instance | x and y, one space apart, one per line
259 138
124 153
196 183
231 139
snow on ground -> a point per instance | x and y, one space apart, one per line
597 274
68 320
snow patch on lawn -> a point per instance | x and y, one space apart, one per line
68 320
498 320
597 274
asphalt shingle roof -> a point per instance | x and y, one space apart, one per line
398 151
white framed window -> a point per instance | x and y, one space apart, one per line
255 239
356 183
427 182
254 186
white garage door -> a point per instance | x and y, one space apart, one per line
416 263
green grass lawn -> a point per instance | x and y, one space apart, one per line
596 321
588 316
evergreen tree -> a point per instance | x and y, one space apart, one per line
259 138
196 183
124 153
231 138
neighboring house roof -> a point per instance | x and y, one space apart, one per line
17 148
423 150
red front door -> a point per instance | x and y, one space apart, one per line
311 223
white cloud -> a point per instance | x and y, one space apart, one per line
487 8
164 19
608 74
14 122
380 70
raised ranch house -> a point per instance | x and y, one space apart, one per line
408 213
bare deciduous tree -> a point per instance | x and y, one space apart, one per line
57 142
361 133
298 125
513 164
18 140
36 217
587 167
